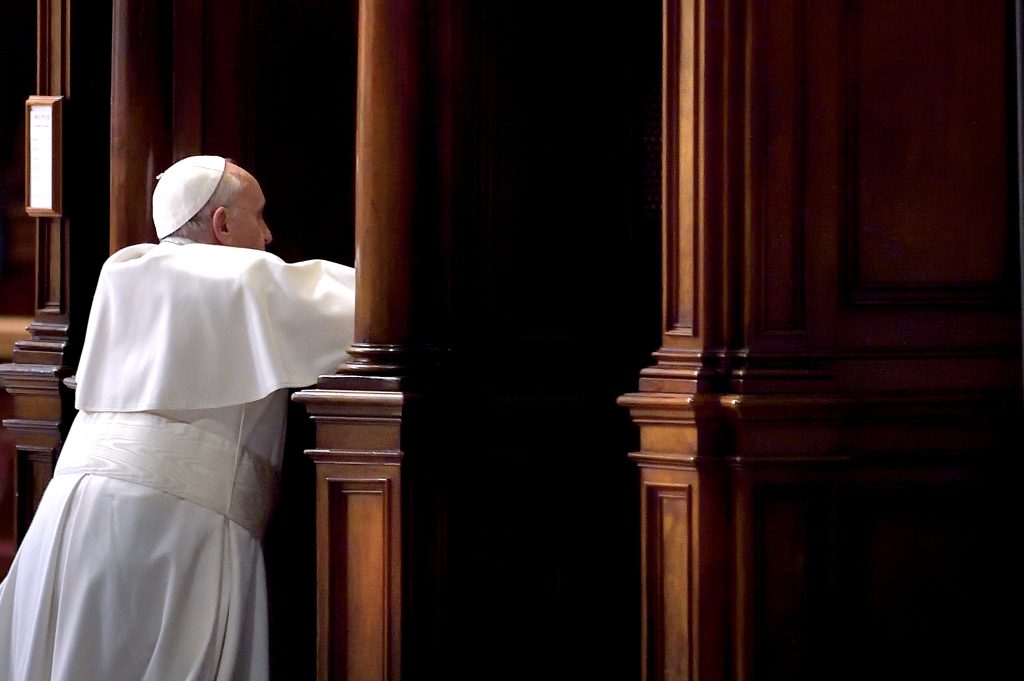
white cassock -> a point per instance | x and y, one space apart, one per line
144 561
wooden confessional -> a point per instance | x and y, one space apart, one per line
807 211
830 431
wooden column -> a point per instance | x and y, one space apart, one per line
388 107
683 438
181 84
43 406
819 452
369 434
140 118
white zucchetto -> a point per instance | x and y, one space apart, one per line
183 189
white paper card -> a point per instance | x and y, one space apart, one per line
41 156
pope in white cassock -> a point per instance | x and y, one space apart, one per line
143 561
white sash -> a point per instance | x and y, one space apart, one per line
173 457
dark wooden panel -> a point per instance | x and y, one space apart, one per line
881 222
226 89
869 350
358 632
140 116
927 148
849 571
37 446
923 577
792 553
669 575
777 120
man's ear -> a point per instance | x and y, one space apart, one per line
221 233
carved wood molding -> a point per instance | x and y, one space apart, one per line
32 379
681 429
38 434
359 583
351 403
359 527
686 371
782 375
725 479
676 429
684 569
679 195
668 623
818 326
37 428
775 240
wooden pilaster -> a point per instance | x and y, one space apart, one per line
369 439
359 532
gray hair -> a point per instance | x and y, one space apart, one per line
198 226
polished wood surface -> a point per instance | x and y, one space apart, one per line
42 405
524 166
389 102
364 534
839 378
515 492
399 132
819 484
184 75
140 122
359 532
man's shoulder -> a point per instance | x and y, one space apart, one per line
207 264
129 253
200 259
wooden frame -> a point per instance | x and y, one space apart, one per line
55 140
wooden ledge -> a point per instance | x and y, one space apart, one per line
346 397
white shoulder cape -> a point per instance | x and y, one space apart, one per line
201 326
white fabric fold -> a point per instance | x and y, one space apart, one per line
176 458
129 571
231 325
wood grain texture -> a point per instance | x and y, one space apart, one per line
679 150
926 104
359 532
858 368
359 628
667 546
140 122
42 405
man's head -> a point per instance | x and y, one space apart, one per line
210 200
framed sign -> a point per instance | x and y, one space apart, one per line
43 152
